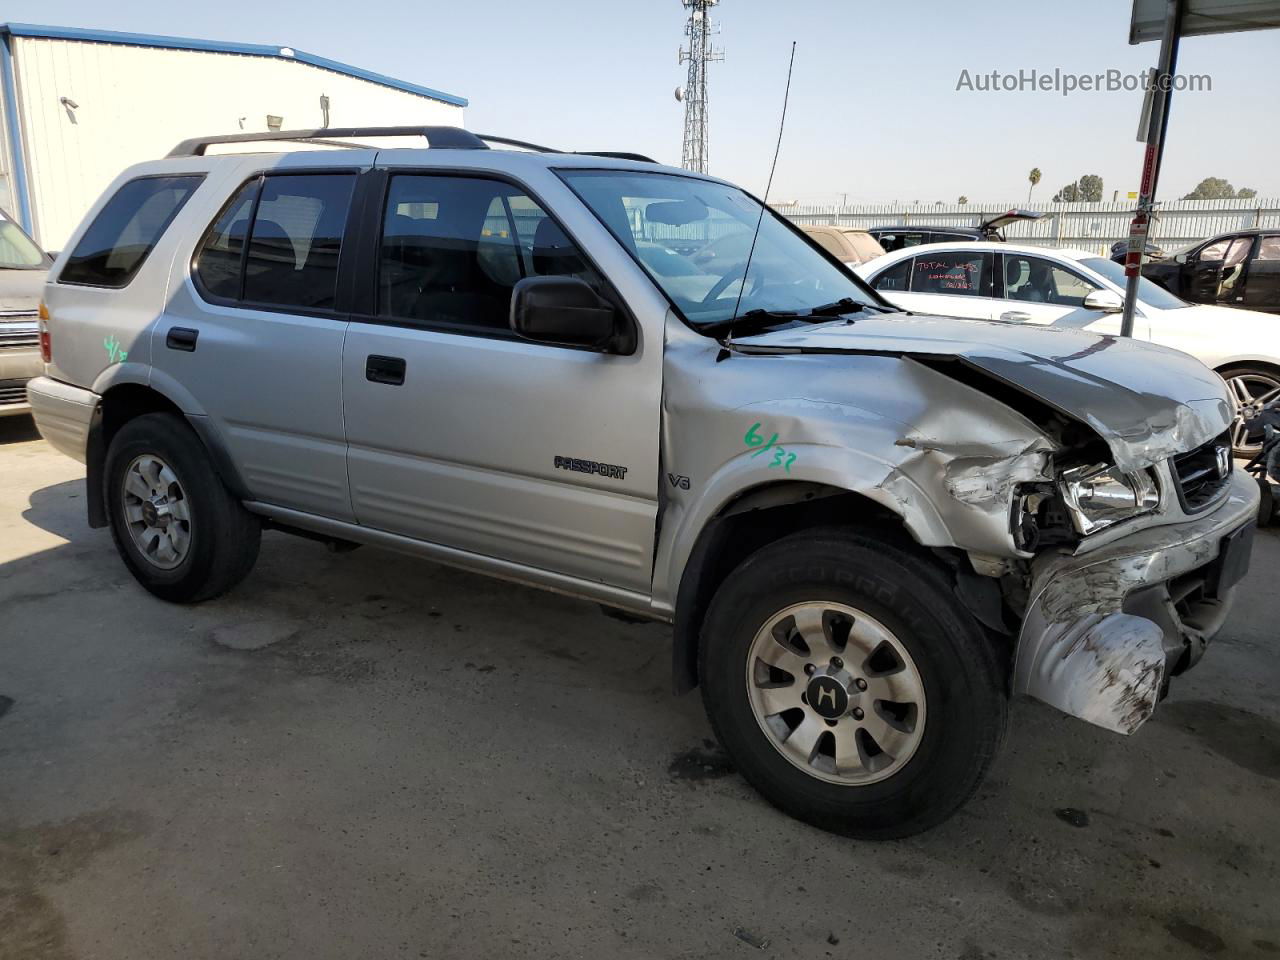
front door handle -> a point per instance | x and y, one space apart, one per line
388 370
1015 316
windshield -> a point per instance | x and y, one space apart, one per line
17 250
1152 294
693 238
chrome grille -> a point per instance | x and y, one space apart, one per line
1203 474
12 391
24 332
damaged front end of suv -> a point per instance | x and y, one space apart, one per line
1084 483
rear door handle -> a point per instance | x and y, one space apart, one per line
1015 316
182 338
388 370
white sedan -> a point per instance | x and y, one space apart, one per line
1015 283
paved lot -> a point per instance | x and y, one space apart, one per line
370 756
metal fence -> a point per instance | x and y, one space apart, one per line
1088 226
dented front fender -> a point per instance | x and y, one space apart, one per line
942 456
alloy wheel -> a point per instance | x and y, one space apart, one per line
836 693
1250 391
156 512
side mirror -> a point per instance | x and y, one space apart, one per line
564 311
1180 258
1105 301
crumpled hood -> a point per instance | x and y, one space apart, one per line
21 289
1147 402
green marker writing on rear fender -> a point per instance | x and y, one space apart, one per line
114 353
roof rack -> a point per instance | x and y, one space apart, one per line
438 138
614 154
454 138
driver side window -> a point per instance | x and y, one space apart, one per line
1036 280
453 248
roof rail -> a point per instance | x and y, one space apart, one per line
437 137
616 155
522 144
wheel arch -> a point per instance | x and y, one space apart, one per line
125 401
1255 363
751 519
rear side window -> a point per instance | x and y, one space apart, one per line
278 242
953 273
124 232
296 239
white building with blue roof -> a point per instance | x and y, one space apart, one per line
80 105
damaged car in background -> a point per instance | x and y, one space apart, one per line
868 528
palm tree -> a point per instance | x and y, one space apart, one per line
1034 177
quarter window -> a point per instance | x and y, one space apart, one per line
896 277
454 247
953 273
124 232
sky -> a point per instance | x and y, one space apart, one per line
874 115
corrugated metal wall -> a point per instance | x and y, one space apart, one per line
136 103
1089 226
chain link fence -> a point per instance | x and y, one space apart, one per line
1087 226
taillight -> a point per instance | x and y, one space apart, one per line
46 341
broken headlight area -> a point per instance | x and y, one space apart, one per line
1040 518
1100 495
1082 501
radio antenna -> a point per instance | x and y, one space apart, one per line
746 272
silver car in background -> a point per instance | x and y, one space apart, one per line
23 269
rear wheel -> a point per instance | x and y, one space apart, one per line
1251 388
180 532
849 686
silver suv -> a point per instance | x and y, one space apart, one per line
869 528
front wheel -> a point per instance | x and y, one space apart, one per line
849 686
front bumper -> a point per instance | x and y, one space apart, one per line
1104 630
63 413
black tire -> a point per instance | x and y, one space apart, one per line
224 537
963 672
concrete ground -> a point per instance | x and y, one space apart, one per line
369 756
